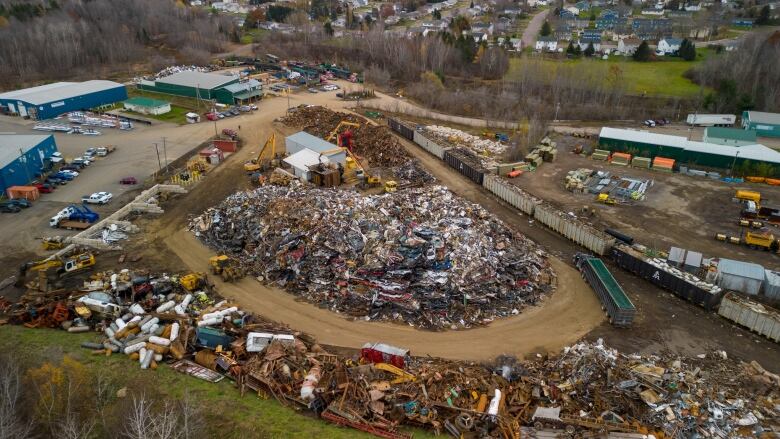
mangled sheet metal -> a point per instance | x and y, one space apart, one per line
422 256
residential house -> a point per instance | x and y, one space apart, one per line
590 36
479 37
627 46
359 3
486 28
413 32
622 32
505 25
582 6
669 46
693 7
566 14
512 12
562 31
742 22
538 3
435 24
196 3
549 44
608 47
610 23
652 29
654 12
514 43
575 11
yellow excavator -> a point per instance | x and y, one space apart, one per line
336 130
256 164
227 267
353 164
63 267
402 375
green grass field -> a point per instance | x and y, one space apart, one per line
227 413
663 77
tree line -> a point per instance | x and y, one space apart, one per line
102 37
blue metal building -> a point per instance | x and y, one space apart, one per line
23 157
51 100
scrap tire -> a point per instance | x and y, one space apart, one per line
538 425
570 429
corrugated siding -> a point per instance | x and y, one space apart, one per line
583 234
513 195
429 145
772 285
19 172
745 313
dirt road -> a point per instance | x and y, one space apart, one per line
533 28
564 318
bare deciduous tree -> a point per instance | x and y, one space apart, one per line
12 422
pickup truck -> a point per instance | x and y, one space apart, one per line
97 198
104 150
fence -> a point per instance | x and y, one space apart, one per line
583 234
429 145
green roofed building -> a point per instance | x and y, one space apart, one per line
147 105
729 136
687 152
225 89
765 124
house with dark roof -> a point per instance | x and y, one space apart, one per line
669 46
563 31
588 37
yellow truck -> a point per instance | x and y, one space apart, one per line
749 196
762 240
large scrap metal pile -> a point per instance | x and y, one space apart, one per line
372 142
422 256
586 390
488 151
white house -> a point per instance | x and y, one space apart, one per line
669 45
574 10
693 7
547 43
627 46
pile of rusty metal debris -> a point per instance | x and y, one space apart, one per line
375 143
588 390
423 256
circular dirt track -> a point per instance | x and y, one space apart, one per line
560 320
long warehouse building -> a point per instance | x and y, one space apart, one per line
23 157
765 124
51 100
687 152
225 89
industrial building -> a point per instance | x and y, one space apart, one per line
686 152
224 89
147 106
51 100
303 140
23 157
765 124
729 136
744 277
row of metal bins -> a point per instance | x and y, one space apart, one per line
464 161
581 233
511 194
625 258
401 129
751 315
429 145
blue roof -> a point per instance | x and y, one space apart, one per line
673 41
243 86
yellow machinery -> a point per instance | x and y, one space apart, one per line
352 163
336 130
226 267
749 196
256 164
62 266
391 186
606 199
193 281
403 376
762 240
53 243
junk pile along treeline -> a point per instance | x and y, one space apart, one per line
587 389
372 142
422 256
489 152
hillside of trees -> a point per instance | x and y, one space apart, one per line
60 39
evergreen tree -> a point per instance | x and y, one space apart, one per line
570 49
763 16
546 29
643 52
436 14
590 50
687 50
472 4
328 28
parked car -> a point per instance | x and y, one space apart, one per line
73 173
44 188
9 208
253 106
97 198
90 152
312 90
52 180
20 202
650 123
128 180
226 114
244 108
78 162
71 168
105 150
234 111
212 116
64 175
330 87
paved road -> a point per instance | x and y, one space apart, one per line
533 28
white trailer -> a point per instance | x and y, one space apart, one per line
711 120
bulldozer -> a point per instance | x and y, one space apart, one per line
193 281
226 267
257 164
59 267
53 243
606 199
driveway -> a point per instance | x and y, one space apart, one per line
533 28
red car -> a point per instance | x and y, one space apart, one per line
44 188
128 180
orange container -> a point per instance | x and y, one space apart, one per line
515 173
755 179
772 181
27 192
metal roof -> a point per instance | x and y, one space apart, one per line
730 133
145 102
198 79
58 91
749 152
676 255
741 269
11 143
762 117
305 158
693 259
314 143
243 86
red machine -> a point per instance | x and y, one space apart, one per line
345 140
383 353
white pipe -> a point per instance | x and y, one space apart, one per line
209 322
135 347
120 323
166 306
136 309
146 326
174 331
142 354
159 341
147 359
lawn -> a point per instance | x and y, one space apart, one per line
663 77
228 414
176 115
180 105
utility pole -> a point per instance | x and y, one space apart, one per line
734 163
159 164
165 154
214 111
557 107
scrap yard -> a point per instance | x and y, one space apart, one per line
403 278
